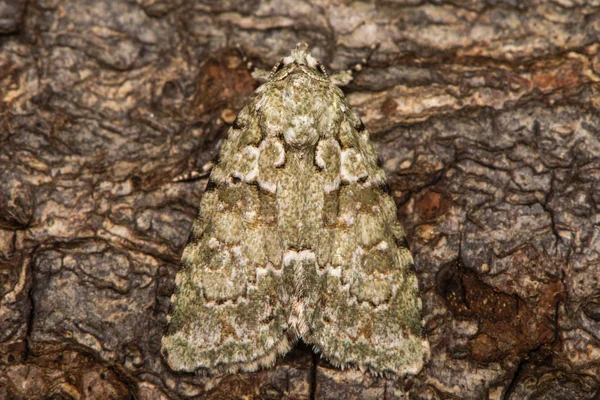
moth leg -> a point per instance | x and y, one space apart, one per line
343 78
194 174
258 74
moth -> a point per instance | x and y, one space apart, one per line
297 238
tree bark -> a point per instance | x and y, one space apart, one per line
485 115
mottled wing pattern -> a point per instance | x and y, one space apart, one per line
231 306
297 239
369 312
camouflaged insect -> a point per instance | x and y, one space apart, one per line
297 238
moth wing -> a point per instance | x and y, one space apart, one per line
369 312
230 308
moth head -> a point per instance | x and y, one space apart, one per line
301 56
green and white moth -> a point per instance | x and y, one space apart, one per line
297 238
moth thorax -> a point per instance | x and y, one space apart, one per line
302 132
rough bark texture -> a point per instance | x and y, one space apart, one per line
485 115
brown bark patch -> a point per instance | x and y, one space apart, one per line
432 205
224 81
389 106
63 374
508 324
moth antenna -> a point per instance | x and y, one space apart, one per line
322 69
275 68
